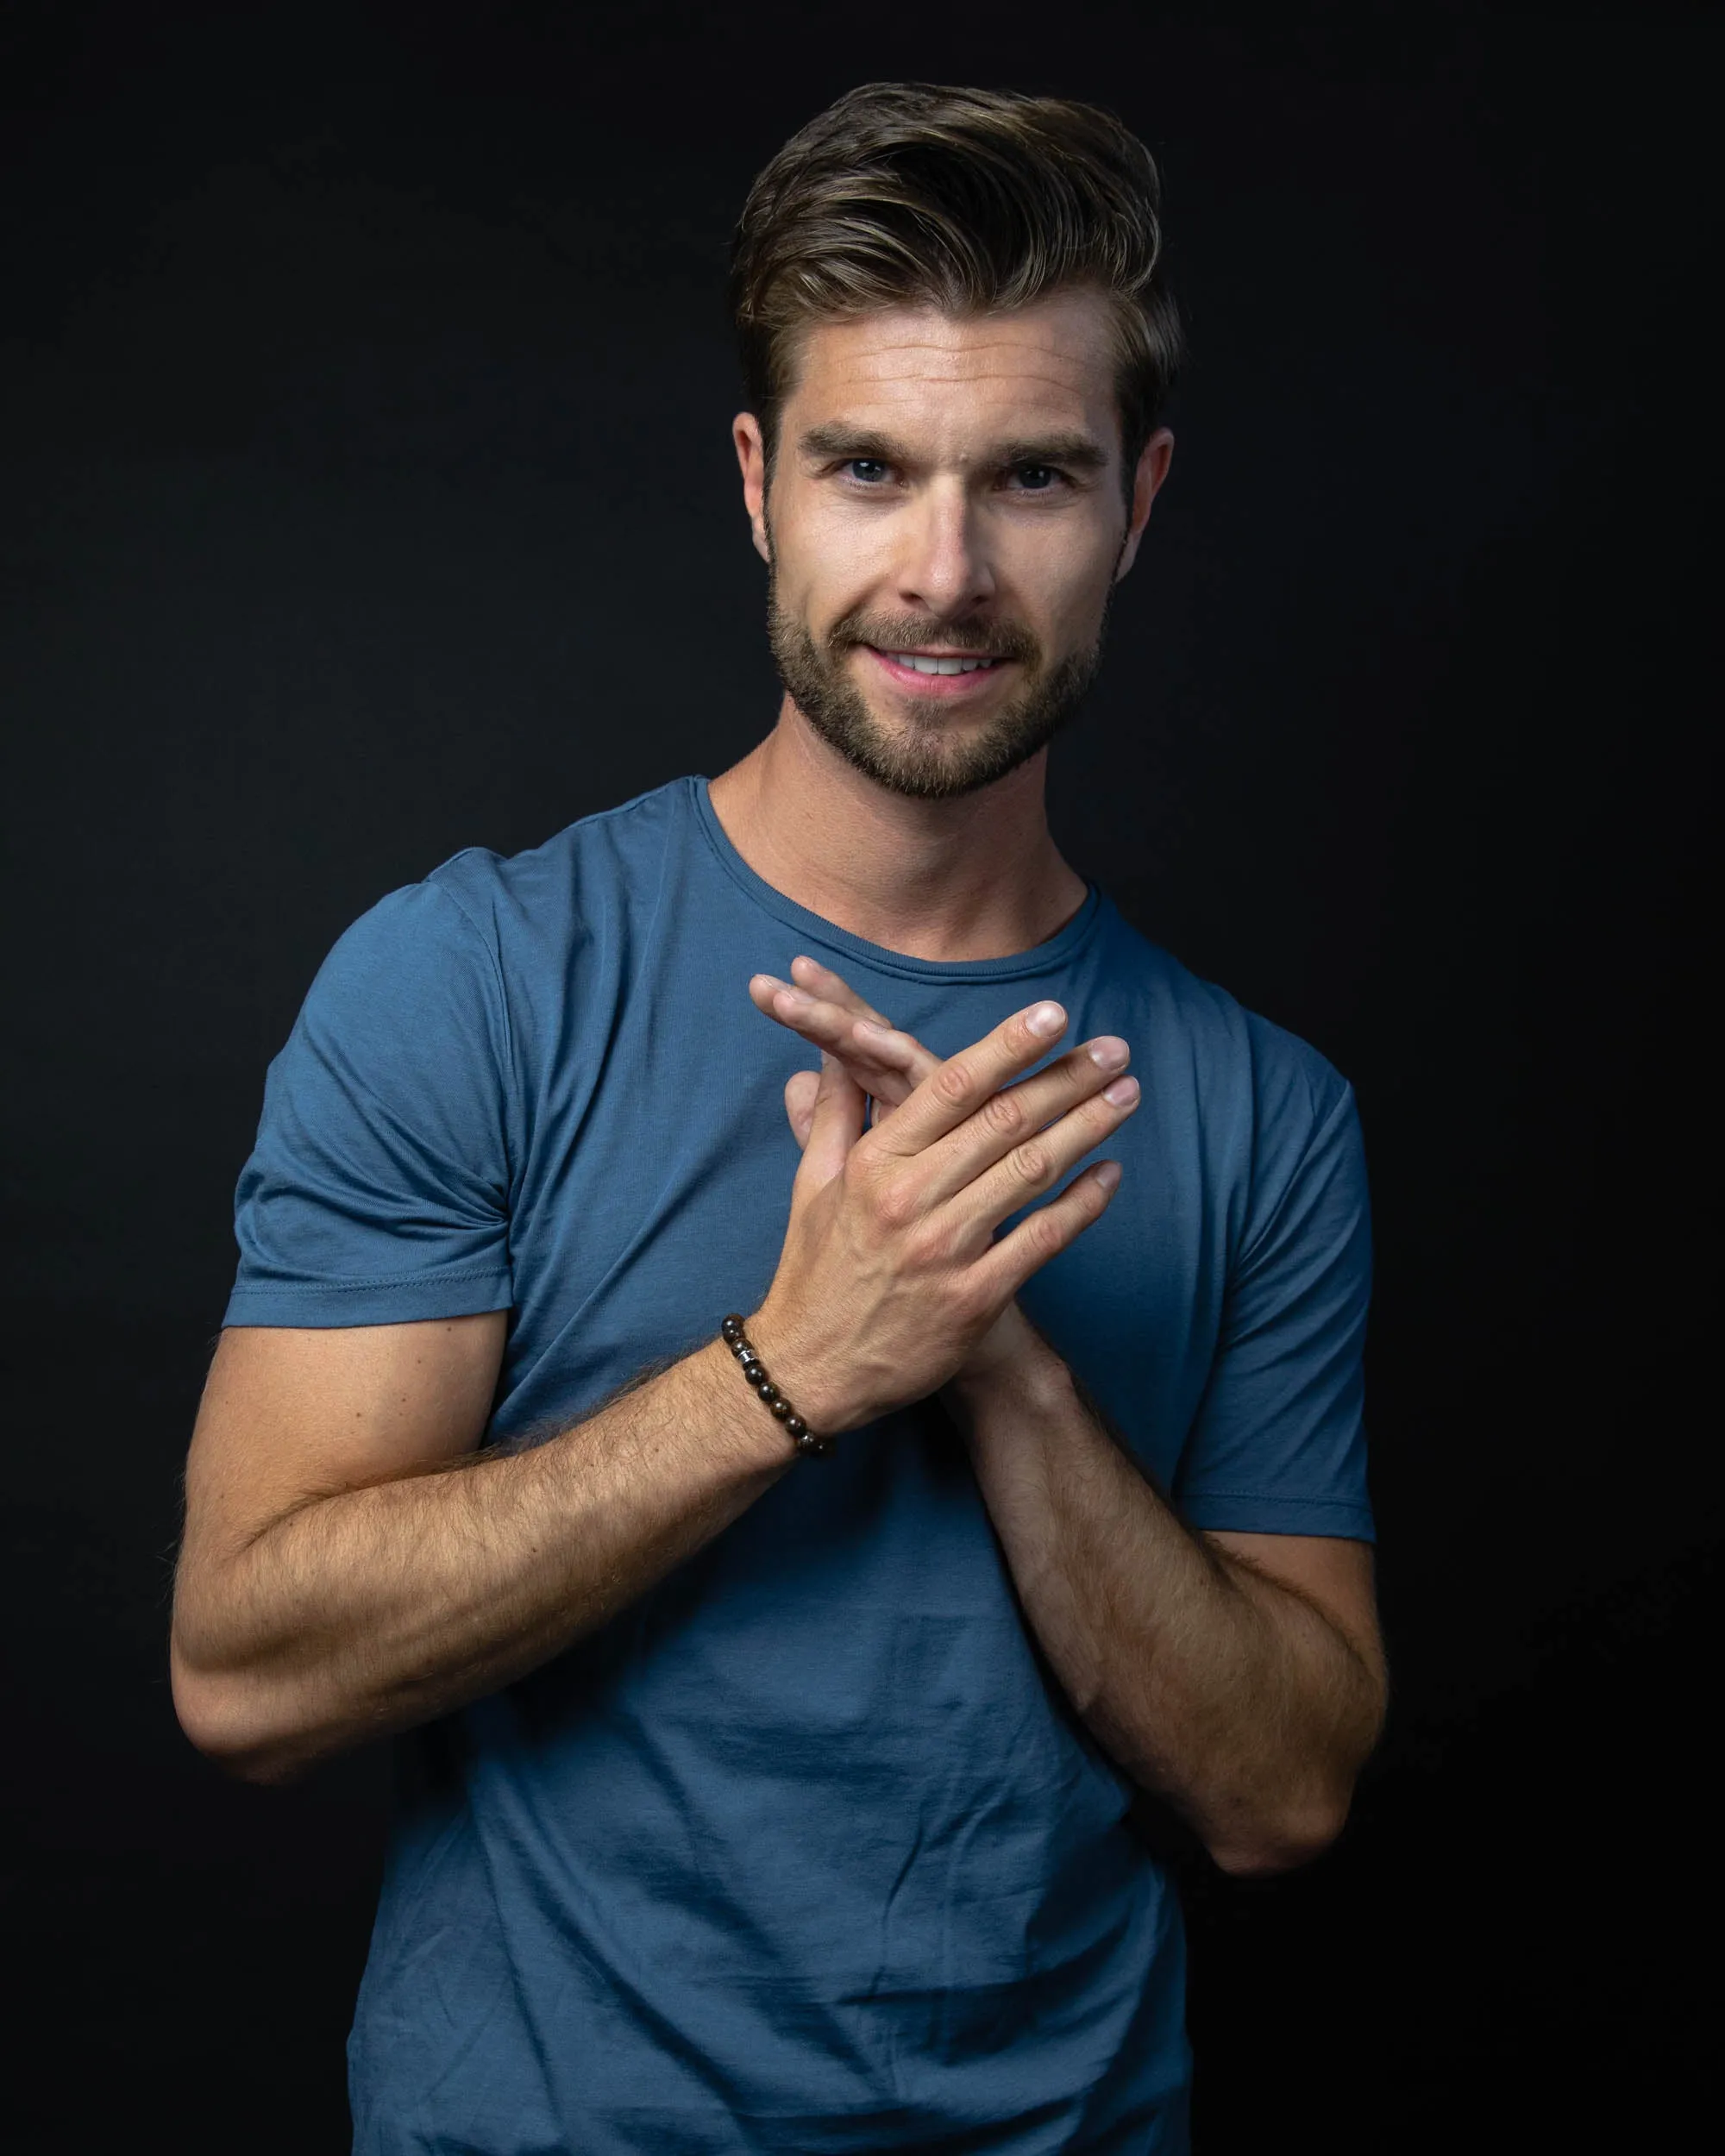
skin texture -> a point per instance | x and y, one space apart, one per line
1240 1676
952 549
352 1566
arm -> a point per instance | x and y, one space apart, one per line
1240 1676
351 1568
1249 1700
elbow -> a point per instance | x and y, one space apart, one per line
1265 1859
221 1717
1283 1846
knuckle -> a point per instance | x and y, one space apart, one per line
951 1082
895 1202
1030 1161
1003 1114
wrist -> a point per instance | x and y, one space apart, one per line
1011 1368
756 1439
811 1394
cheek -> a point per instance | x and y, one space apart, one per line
1063 581
830 563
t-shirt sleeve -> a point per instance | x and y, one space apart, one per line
1278 1444
378 1191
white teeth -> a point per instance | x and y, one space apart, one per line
937 666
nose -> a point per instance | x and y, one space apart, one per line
942 568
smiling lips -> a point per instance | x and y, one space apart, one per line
936 673
923 664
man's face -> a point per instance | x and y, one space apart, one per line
947 491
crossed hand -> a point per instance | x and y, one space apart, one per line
893 1280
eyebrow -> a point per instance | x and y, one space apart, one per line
834 438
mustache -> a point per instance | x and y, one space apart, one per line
909 632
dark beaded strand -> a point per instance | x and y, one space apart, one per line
755 1370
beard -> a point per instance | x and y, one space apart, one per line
927 758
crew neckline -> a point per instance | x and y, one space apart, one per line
1044 957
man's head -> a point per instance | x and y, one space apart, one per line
955 345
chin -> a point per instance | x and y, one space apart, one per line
925 762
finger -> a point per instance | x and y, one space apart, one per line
885 1064
801 1088
890 1063
835 1125
899 1053
1048 1231
826 1024
832 987
895 1051
954 1090
818 983
1037 1164
1016 1118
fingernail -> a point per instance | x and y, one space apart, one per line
1121 1091
1107 1173
1046 1020
1108 1052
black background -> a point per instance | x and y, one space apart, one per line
364 392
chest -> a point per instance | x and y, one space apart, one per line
655 1177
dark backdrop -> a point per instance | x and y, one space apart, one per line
364 392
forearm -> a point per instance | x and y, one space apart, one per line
1230 1696
369 1611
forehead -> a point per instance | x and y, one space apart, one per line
1049 365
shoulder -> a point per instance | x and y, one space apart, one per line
477 938
1238 1060
557 889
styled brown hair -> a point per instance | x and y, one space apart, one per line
972 200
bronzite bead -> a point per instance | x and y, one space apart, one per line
755 1370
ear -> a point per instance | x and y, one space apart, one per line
1152 469
751 454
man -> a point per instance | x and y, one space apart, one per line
752 1800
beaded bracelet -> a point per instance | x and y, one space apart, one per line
755 1371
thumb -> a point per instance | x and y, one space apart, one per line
835 1125
801 1088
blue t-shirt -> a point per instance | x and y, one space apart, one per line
804 1851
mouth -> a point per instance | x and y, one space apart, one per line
940 674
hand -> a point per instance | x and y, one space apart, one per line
891 1282
889 1065
828 1012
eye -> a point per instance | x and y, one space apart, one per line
867 471
1037 478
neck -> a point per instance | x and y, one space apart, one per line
977 877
